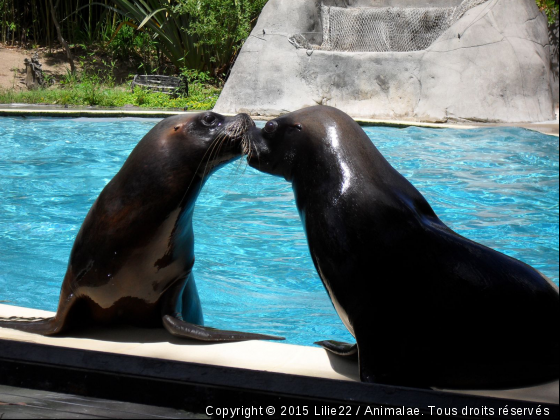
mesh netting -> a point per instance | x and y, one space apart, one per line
382 29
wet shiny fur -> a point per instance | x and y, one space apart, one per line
132 259
427 306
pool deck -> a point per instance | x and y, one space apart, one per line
25 110
148 366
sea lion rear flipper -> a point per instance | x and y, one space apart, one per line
184 329
43 326
339 348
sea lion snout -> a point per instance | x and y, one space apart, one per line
239 126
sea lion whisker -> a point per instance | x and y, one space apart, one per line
234 135
231 132
240 130
208 153
196 171
246 151
213 152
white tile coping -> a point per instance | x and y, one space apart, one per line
15 110
163 112
252 355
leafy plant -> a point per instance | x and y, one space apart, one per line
91 87
204 35
91 92
550 8
219 27
49 80
196 77
165 25
127 42
69 78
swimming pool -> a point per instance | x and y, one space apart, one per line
497 186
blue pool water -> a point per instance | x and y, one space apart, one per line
496 186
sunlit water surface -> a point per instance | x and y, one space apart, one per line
496 186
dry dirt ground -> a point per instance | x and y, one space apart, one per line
12 68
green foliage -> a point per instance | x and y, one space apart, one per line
551 8
203 35
219 27
90 92
131 42
196 77
157 17
69 78
29 22
91 87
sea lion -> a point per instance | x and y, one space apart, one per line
427 306
132 259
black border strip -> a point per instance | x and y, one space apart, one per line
193 387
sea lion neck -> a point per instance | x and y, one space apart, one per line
336 167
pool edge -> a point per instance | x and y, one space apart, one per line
137 352
547 128
195 387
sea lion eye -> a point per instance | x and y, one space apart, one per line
209 119
270 127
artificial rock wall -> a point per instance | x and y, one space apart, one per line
491 65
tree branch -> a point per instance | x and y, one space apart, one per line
60 38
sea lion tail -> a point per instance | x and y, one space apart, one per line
184 329
43 326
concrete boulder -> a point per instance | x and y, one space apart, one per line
491 65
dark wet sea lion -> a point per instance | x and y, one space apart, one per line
427 306
132 259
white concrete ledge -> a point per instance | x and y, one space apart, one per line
14 110
251 355
156 343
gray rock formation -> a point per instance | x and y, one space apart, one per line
491 65
34 72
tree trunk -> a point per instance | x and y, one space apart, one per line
61 39
48 25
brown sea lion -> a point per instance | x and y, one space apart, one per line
132 259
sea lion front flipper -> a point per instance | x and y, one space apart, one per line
184 329
339 348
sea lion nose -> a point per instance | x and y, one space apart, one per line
247 119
